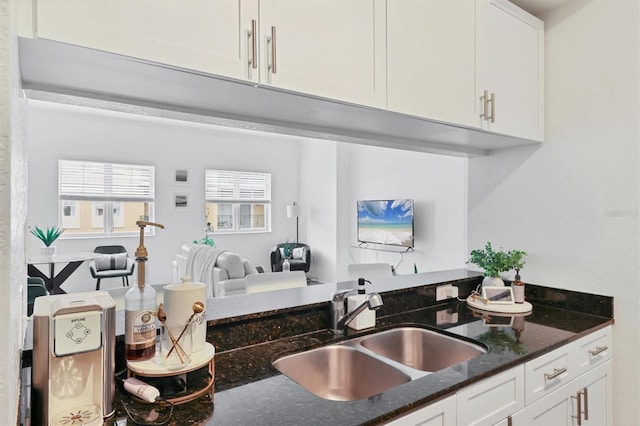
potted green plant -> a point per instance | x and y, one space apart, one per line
205 241
496 261
47 236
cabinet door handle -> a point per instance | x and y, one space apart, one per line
556 373
579 409
598 350
493 108
485 105
254 47
509 421
272 40
585 393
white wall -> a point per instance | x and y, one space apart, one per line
61 131
437 184
12 215
318 205
572 203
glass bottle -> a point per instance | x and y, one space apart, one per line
518 288
140 323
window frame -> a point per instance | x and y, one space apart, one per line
238 188
109 185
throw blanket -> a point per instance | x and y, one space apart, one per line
200 263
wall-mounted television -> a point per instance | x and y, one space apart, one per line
388 222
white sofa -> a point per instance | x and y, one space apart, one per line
227 273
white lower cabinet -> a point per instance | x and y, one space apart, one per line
568 386
584 401
441 413
491 400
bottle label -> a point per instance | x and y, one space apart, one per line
140 330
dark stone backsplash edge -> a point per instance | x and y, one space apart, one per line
252 329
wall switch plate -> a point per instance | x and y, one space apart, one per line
446 292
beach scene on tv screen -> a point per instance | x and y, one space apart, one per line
386 222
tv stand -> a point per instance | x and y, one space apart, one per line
399 249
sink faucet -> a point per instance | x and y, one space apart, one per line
340 320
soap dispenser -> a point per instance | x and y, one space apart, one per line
367 318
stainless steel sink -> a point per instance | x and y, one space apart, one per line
366 366
422 349
340 373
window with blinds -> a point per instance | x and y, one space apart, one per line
104 198
237 201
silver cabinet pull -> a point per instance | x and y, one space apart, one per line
598 350
272 39
585 393
254 47
582 393
485 105
556 373
493 108
486 116
579 417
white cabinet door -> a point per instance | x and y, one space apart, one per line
329 48
492 400
203 35
594 390
430 59
554 409
589 396
441 413
509 67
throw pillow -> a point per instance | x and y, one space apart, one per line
232 263
110 262
298 253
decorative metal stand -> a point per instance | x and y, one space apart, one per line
154 368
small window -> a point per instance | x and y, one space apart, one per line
104 198
237 201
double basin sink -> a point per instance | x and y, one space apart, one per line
368 365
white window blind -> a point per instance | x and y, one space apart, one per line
86 180
237 187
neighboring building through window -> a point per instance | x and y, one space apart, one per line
238 201
104 198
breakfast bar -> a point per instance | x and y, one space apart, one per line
248 390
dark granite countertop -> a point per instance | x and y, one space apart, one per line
250 391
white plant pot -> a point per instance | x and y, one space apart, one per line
492 282
48 251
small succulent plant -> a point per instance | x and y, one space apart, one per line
47 236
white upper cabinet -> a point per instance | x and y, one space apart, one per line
202 35
433 60
430 59
510 70
329 48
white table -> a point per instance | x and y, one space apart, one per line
53 282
